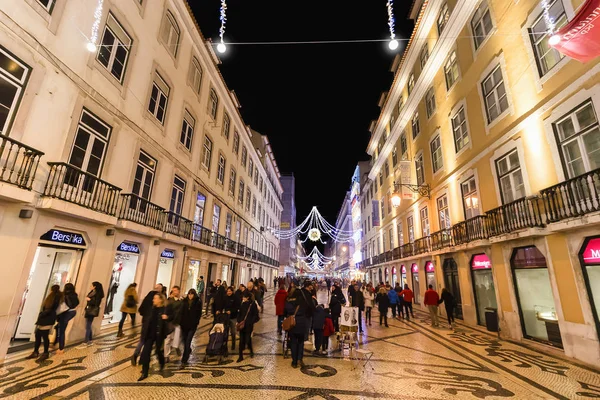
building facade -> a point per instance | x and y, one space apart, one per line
288 261
504 132
127 164
343 265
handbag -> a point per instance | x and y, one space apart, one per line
242 324
92 311
130 303
290 321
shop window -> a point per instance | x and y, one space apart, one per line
13 78
113 52
494 94
170 33
430 274
187 130
159 98
414 269
195 75
534 295
481 24
143 182
510 177
460 130
207 152
546 56
443 212
589 257
123 274
578 136
483 285
470 198
165 267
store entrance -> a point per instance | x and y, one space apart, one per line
123 274
451 283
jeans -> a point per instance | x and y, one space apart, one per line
336 322
88 328
246 340
39 335
232 330
124 317
280 319
450 315
63 321
297 346
318 339
172 340
393 306
433 313
187 336
400 308
145 359
407 307
368 315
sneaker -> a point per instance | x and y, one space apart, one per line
324 352
294 364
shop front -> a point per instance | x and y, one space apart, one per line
483 285
387 275
414 269
192 275
430 274
403 280
451 283
123 274
56 262
380 276
394 276
539 320
589 257
165 267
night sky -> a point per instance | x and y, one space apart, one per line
314 101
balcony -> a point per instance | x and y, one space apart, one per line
201 235
71 184
136 209
241 250
179 226
572 198
397 253
408 250
441 239
18 162
520 214
470 230
422 245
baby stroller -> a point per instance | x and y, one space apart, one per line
217 339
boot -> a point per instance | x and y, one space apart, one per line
43 357
120 334
33 355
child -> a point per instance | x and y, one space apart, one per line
318 322
328 330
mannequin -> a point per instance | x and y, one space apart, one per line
113 286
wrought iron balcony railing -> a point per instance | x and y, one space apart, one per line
136 209
18 162
573 197
514 216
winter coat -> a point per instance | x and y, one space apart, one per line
190 313
431 298
174 306
393 296
336 302
249 312
71 300
146 305
447 299
232 304
306 308
280 297
318 319
358 300
407 295
93 304
328 328
47 317
383 302
369 298
130 292
219 299
153 326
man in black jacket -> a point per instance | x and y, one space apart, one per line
144 309
358 300
218 300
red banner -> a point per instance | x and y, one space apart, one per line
580 38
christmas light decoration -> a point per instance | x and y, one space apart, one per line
221 48
393 44
550 23
315 220
314 234
316 260
91 46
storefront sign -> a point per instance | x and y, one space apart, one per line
166 253
429 267
393 270
403 269
481 261
387 271
591 253
129 248
415 268
64 237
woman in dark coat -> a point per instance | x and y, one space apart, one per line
304 309
248 313
190 314
335 305
154 330
448 301
92 309
383 302
72 301
45 322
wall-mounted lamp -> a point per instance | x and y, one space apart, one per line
110 232
423 190
156 242
25 213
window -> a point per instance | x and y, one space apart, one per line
382 204
451 70
228 219
236 143
416 129
400 233
232 177
395 156
411 83
436 153
177 196
159 98
144 179
430 102
403 145
199 210
424 221
443 212
578 137
260 185
207 152
244 156
387 168
13 77
221 169
494 94
170 33
424 56
400 102
226 125
470 198
250 169
254 206
419 169
510 177
460 130
410 222
216 217
255 176
389 202
260 213
241 192
547 57
213 104
195 75
380 179
248 199
481 24
114 48
187 130
47 4
443 18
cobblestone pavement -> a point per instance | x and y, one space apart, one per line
411 360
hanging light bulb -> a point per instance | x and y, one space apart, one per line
393 44
91 47
554 40
221 48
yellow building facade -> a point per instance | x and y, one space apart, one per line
502 133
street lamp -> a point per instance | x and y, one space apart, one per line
423 190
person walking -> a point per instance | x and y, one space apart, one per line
145 309
431 300
211 290
318 325
129 307
71 301
393 300
336 302
369 297
279 301
218 300
400 304
44 323
246 318
358 300
383 303
154 332
407 299
304 311
173 339
232 306
200 288
190 314
92 309
449 303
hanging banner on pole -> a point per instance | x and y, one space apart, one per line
580 38
375 212
405 179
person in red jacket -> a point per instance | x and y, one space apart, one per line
431 301
328 330
280 297
407 299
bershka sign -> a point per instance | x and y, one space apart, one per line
591 253
481 261
580 38
64 237
129 248
166 253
